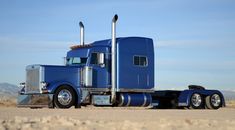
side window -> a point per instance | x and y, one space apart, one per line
94 58
98 59
136 60
140 61
143 61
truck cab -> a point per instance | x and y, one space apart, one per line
88 70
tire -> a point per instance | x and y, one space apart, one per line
64 97
174 104
213 101
196 101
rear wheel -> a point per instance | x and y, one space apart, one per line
64 97
196 101
213 101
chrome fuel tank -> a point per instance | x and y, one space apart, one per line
135 99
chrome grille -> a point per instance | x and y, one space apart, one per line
33 79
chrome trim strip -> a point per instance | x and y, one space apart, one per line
129 100
155 104
96 89
145 100
118 60
182 104
136 90
120 90
122 100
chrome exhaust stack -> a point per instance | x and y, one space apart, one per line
113 52
81 33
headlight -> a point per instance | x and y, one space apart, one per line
22 88
44 85
22 85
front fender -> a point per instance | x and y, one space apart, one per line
53 86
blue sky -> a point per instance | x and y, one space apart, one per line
194 40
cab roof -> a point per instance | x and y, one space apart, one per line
106 42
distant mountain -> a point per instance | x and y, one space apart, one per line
228 94
8 91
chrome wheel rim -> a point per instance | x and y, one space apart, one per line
64 97
215 100
196 100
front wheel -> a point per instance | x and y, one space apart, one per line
64 97
213 101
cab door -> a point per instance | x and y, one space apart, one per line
100 65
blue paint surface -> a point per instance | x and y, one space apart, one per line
60 75
129 75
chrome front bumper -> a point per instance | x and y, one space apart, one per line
35 100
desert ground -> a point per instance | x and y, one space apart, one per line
108 118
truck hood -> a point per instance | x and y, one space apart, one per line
51 74
55 74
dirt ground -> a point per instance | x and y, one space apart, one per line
108 118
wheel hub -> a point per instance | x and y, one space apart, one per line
64 97
215 100
196 100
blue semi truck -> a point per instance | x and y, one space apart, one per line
117 72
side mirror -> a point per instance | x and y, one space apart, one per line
101 59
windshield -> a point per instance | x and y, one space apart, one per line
76 61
